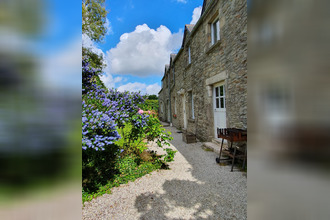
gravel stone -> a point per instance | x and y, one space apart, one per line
195 187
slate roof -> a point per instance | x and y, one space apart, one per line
172 56
187 30
190 27
166 67
205 3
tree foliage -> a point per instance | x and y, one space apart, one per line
93 19
153 97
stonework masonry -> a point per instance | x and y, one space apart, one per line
205 60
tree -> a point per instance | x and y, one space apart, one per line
153 97
93 25
93 19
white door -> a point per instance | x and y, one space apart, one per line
184 112
219 106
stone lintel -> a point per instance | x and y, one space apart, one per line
217 78
214 79
181 92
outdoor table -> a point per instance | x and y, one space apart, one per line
232 135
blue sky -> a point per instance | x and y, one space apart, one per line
55 46
142 34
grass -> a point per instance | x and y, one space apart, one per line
207 149
129 169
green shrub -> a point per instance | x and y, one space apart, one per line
129 168
150 105
169 157
156 132
131 140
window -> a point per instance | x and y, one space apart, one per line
215 32
189 56
174 105
220 102
192 107
173 74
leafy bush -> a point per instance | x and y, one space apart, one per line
131 142
150 105
114 135
169 157
128 169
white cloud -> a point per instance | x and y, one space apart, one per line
106 78
182 1
88 43
120 19
109 81
196 14
107 24
144 51
152 89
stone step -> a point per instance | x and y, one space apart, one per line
165 124
210 146
216 141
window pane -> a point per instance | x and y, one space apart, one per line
217 92
189 57
212 34
217 102
222 103
218 29
215 37
221 90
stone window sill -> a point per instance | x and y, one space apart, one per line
188 66
211 48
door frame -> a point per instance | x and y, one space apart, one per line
218 84
185 122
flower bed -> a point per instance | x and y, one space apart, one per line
113 130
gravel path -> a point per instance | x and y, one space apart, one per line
195 187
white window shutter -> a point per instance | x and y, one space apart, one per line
189 55
212 34
192 106
218 30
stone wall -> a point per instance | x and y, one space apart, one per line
225 60
163 97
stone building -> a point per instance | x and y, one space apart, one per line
205 84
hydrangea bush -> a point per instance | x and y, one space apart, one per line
113 126
103 111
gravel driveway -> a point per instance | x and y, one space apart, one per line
195 187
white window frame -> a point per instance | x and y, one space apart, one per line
189 56
215 31
174 105
219 97
192 107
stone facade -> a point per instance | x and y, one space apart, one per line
164 112
213 53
